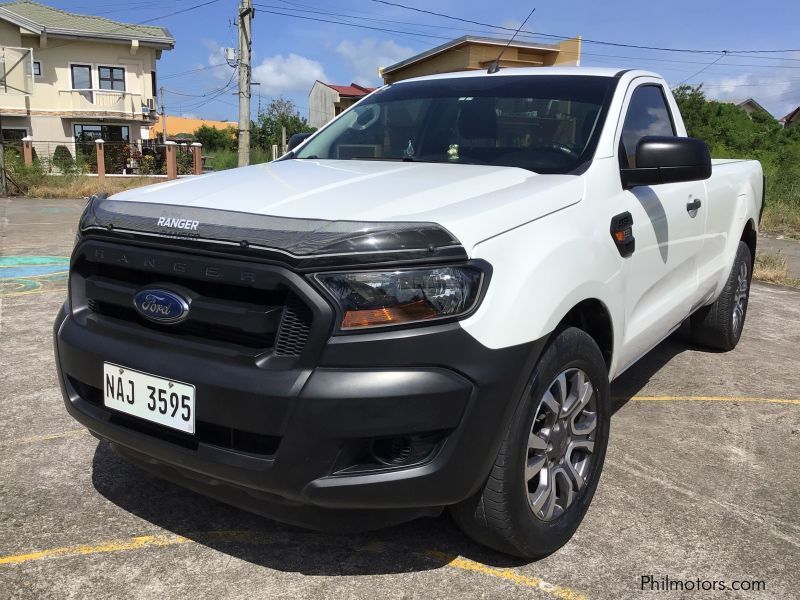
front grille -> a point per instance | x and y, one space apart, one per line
294 328
191 329
206 433
249 307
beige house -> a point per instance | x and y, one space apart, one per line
327 100
749 105
473 52
67 78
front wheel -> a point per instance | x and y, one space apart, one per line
549 464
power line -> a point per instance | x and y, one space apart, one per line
266 7
396 31
587 40
190 71
712 63
441 37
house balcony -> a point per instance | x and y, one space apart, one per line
105 103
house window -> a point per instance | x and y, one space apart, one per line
82 80
14 134
37 68
81 77
111 78
108 133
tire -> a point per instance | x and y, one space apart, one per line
719 326
508 513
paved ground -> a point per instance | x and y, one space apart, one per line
701 481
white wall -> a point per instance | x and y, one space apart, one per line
320 104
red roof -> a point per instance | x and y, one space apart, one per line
353 90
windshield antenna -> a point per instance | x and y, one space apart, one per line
495 66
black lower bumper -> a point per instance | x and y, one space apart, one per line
291 444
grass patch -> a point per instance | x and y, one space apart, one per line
782 219
222 160
82 186
772 268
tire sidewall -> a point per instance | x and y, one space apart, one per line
571 348
742 256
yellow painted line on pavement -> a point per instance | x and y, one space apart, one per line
465 564
713 399
136 543
50 436
61 289
161 541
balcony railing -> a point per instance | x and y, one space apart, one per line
102 102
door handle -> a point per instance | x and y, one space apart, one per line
692 206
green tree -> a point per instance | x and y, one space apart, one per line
730 132
279 113
216 139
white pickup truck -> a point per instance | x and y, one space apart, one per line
420 306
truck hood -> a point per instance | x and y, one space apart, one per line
473 202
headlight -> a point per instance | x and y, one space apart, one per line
381 298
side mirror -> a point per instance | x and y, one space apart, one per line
665 159
296 140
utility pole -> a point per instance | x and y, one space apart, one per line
4 183
163 118
245 28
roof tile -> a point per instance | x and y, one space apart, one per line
54 18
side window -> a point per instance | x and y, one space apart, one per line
648 114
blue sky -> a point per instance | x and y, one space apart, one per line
289 53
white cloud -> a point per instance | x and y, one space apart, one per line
366 56
771 88
216 57
293 73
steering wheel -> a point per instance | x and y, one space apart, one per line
366 117
561 149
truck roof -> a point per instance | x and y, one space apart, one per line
535 72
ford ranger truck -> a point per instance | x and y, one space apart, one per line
418 307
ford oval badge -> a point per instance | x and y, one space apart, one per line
161 306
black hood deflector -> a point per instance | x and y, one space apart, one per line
297 242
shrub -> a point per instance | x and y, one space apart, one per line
147 164
185 162
21 175
216 139
62 159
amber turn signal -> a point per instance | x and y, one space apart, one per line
415 311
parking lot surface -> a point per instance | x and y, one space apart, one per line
700 483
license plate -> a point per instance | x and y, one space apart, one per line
163 401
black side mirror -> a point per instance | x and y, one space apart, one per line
296 140
665 159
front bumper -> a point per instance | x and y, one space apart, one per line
306 427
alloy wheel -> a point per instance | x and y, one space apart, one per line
740 297
560 448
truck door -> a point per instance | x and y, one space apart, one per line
660 277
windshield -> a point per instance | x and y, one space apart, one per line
545 123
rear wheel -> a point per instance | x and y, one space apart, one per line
719 325
549 464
